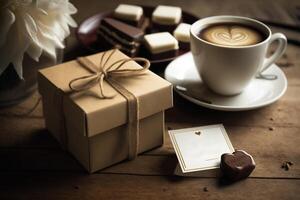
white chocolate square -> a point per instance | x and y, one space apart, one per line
128 12
167 15
160 42
182 32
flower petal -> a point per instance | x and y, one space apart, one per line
71 8
62 21
15 38
43 35
70 21
34 51
31 27
18 65
7 18
36 26
54 28
49 47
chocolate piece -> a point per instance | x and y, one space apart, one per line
129 12
161 45
160 42
166 18
132 15
168 15
123 30
143 23
122 35
237 166
182 34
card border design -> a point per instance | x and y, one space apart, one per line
178 153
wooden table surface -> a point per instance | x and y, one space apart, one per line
32 165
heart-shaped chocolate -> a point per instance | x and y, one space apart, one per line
237 165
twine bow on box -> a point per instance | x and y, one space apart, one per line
105 72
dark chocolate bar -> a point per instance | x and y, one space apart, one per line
126 37
143 23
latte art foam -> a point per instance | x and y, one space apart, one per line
231 35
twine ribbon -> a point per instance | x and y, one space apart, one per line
108 73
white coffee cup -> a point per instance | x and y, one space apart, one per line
227 70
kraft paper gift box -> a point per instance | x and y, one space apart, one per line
93 129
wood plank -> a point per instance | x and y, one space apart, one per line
99 186
26 147
19 159
165 165
30 131
162 161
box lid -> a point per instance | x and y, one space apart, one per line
154 94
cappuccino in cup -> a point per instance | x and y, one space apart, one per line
229 34
229 51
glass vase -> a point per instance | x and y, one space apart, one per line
13 90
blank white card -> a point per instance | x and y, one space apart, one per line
200 148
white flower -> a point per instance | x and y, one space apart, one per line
32 26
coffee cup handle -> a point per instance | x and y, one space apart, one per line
277 54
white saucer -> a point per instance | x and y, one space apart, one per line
182 73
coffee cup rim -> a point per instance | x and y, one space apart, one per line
228 17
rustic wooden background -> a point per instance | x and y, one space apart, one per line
32 165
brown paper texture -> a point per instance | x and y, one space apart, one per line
95 129
153 93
